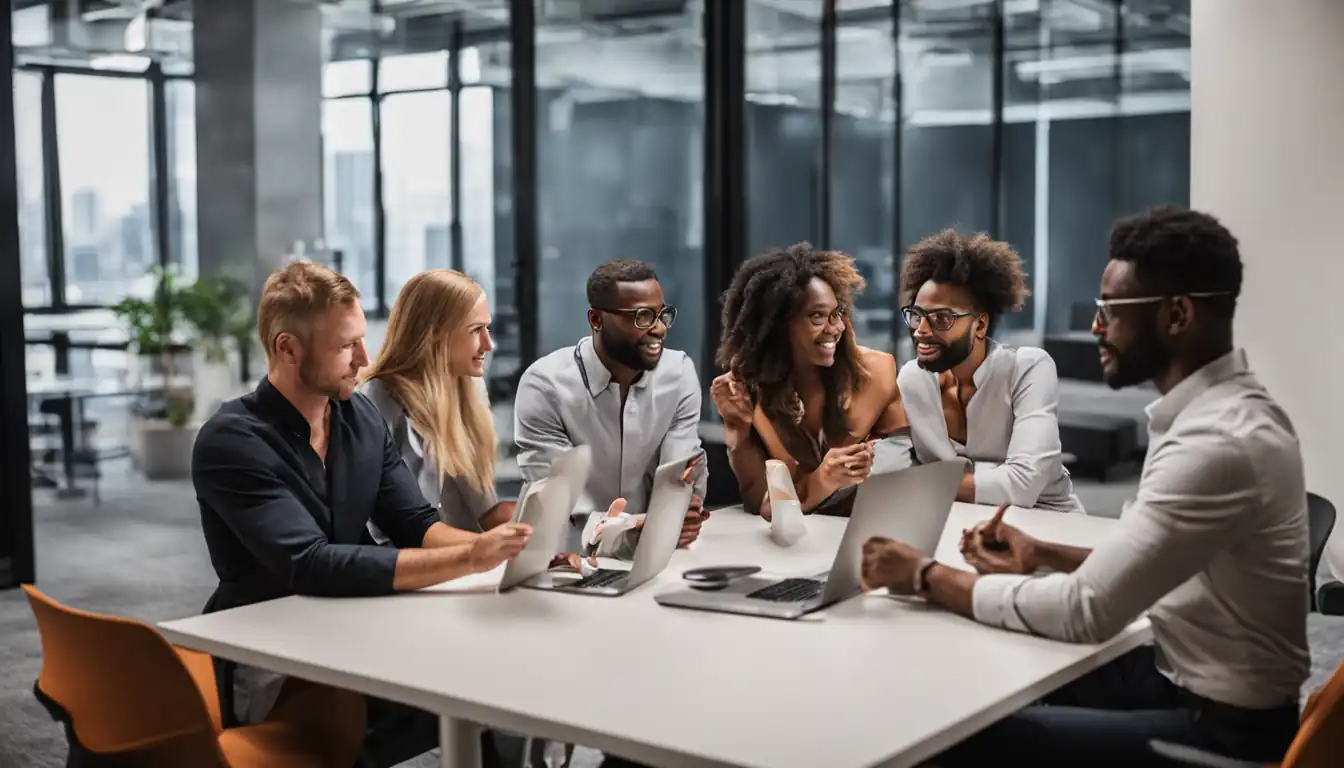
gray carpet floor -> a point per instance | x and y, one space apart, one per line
140 554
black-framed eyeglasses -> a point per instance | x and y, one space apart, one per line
1106 307
939 319
823 319
646 317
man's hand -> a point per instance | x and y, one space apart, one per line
994 546
891 564
845 466
498 545
572 560
734 404
690 527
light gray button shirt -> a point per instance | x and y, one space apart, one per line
1215 547
460 504
1012 428
568 398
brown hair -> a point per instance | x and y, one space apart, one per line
990 270
294 296
766 293
449 412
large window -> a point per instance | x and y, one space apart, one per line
417 195
862 178
620 125
783 123
102 129
32 202
348 176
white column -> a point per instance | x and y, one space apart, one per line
1267 158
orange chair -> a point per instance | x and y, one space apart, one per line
1319 742
128 697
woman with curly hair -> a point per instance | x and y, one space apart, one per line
798 388
968 396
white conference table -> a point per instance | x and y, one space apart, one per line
871 681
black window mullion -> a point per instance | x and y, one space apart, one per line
161 185
458 258
897 172
526 204
828 86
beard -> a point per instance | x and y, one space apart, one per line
951 353
336 389
625 351
1139 362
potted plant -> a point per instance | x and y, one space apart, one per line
162 437
214 309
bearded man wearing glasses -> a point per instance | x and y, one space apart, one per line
618 391
968 396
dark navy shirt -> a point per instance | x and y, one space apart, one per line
279 522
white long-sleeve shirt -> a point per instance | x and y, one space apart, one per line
1215 547
1012 428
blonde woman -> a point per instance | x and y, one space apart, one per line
428 384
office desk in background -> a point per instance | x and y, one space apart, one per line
872 681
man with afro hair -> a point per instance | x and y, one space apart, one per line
965 394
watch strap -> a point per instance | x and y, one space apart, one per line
921 584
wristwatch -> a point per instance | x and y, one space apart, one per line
921 584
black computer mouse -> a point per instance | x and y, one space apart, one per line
717 577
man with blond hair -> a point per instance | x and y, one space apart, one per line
285 480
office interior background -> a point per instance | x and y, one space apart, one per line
523 142
526 141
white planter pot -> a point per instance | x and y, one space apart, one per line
165 450
213 382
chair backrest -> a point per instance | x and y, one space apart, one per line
122 686
1320 522
1320 738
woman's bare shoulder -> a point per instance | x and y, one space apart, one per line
879 369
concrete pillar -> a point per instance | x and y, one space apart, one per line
258 133
1267 157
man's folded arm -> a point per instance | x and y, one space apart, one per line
231 475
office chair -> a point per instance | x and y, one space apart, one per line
1320 522
128 697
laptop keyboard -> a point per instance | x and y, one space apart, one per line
602 577
789 591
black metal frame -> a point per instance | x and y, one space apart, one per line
725 169
17 558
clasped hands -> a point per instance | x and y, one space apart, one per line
990 546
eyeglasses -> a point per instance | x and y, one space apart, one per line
939 319
1106 307
823 319
646 317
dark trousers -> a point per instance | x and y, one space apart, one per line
1107 718
396 733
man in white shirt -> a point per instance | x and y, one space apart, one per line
966 395
1214 547
618 391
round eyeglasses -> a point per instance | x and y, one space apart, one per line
645 317
939 319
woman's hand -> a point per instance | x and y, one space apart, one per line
733 403
845 466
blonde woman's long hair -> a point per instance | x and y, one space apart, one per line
449 412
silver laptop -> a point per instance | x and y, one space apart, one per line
657 541
910 505
546 505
